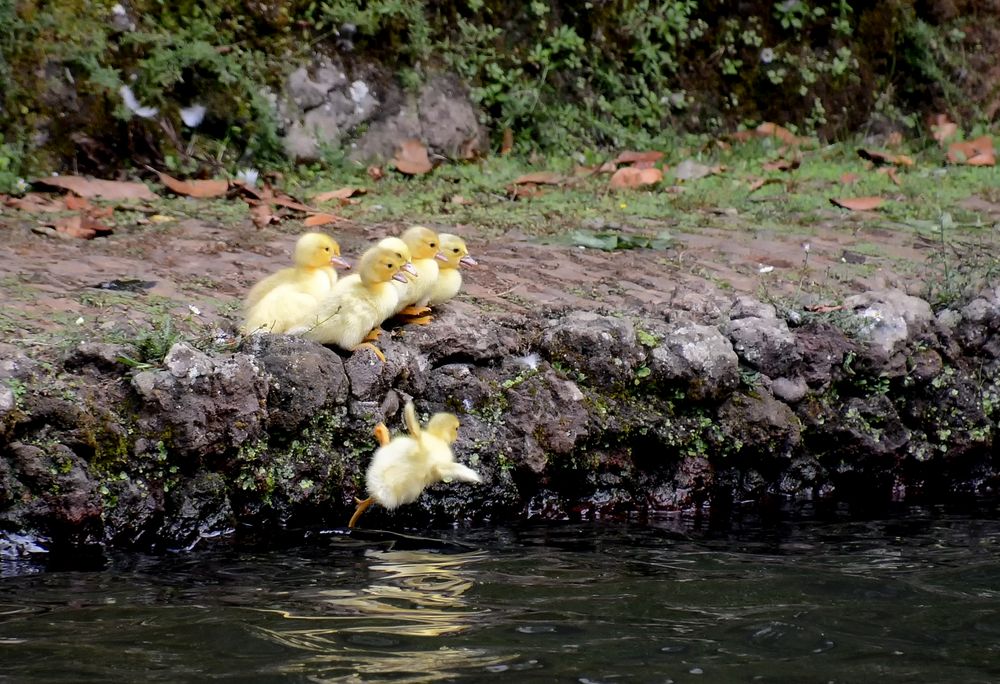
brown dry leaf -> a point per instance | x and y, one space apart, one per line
858 203
978 152
650 158
891 172
783 164
942 127
470 149
202 189
76 203
459 199
527 190
881 158
341 194
631 177
508 142
761 182
895 139
849 178
824 308
773 130
291 203
540 178
261 215
321 219
35 203
412 159
80 226
376 173
97 188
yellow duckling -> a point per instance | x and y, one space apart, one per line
358 303
424 246
278 302
449 280
404 466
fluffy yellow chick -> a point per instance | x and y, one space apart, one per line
358 303
424 246
404 466
449 280
279 302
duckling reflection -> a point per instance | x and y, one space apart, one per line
371 630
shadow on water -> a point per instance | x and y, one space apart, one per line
914 597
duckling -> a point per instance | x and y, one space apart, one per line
358 303
449 280
399 248
424 246
278 302
405 465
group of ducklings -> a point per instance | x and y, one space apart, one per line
397 276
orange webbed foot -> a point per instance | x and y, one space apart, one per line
375 350
415 311
382 434
373 335
363 505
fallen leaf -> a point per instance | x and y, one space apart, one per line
97 188
76 203
524 191
639 157
508 142
290 203
783 164
978 152
540 178
881 158
849 178
412 159
261 215
375 172
858 203
824 308
202 189
631 177
321 219
773 130
341 194
470 149
761 182
80 226
891 172
35 203
942 127
895 139
459 199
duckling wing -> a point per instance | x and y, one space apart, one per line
418 290
344 316
261 289
283 308
456 471
449 282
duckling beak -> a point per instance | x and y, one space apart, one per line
399 276
340 261
410 268
468 261
440 256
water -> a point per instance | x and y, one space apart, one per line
914 599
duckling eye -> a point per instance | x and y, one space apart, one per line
455 250
433 245
326 249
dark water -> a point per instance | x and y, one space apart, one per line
912 599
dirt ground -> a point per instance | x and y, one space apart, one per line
197 271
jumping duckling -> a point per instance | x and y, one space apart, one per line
424 246
405 465
449 280
358 303
278 302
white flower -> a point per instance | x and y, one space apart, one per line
767 55
20 185
193 115
118 10
359 91
79 321
133 104
806 246
248 176
531 360
765 269
194 309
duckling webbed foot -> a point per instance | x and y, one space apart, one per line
375 350
419 320
415 311
373 335
363 505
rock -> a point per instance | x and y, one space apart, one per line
925 365
764 344
131 520
822 349
99 356
889 318
7 401
549 410
602 349
441 115
457 388
200 405
697 357
460 333
854 431
197 510
791 390
760 424
747 307
14 365
303 378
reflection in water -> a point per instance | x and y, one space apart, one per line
377 629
